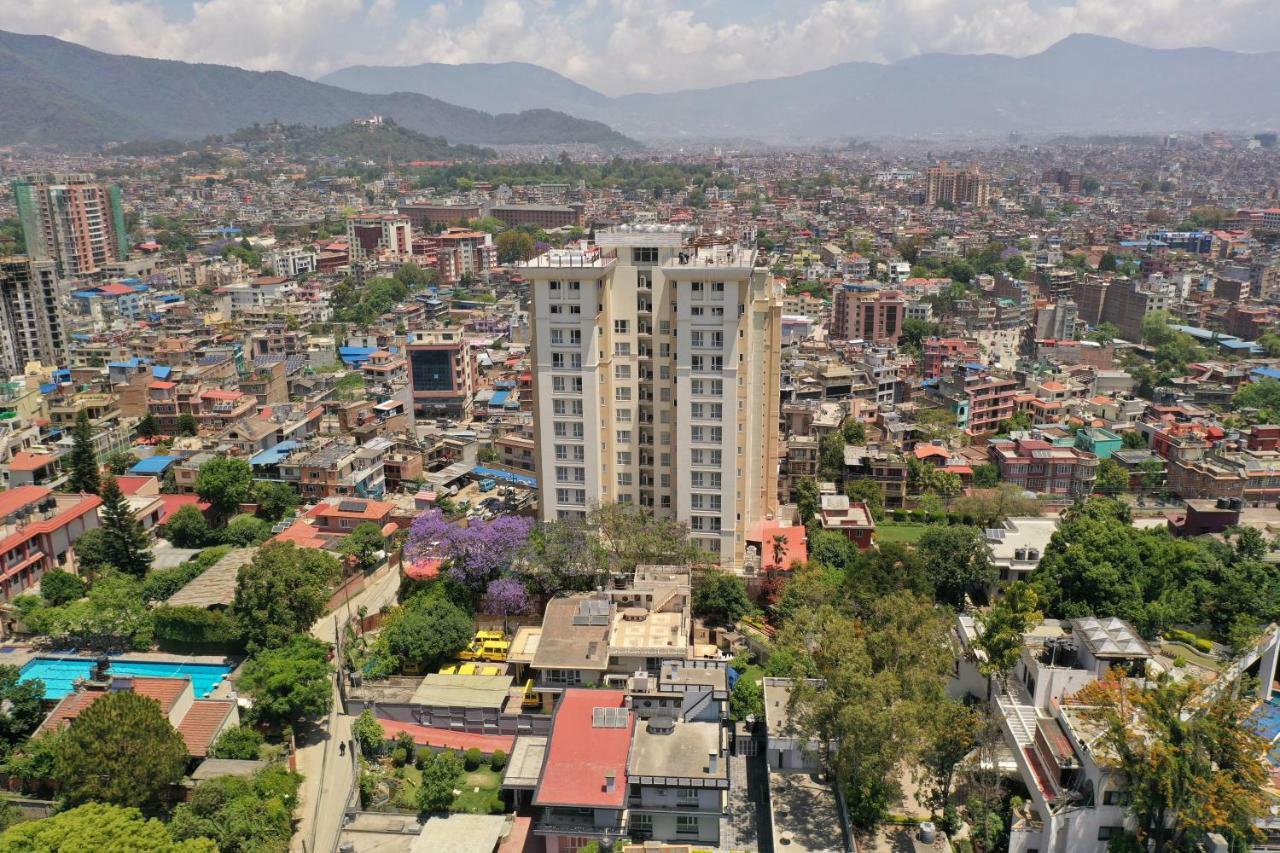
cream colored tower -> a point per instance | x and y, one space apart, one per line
656 381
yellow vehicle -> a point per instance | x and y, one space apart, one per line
530 699
471 669
486 645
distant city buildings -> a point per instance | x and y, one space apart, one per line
73 221
948 185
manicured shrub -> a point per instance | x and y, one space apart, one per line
472 758
499 760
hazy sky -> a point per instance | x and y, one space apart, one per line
620 46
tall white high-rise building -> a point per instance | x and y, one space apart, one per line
656 381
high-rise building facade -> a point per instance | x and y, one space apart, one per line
31 322
948 185
73 221
656 381
867 315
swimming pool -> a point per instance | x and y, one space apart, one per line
59 674
1265 720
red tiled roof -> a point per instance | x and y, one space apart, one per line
164 690
449 739
12 500
130 484
302 534
423 570
116 289
173 503
203 722
580 756
31 461
796 547
373 510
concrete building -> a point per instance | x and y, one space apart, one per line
875 316
1041 467
73 221
379 234
32 326
442 374
38 530
293 261
621 331
462 252
547 216
948 185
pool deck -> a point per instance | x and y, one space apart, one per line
22 654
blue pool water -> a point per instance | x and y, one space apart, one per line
1265 720
59 674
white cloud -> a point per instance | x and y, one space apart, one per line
625 45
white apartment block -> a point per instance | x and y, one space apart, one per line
656 381
293 261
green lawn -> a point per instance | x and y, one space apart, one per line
471 801
474 801
903 532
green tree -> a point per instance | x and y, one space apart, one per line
854 432
1133 440
289 683
915 333
514 246
120 462
1190 762
364 543
121 750
955 560
225 482
1104 333
985 476
254 814
1018 422
831 456
368 733
1262 396
1112 478
83 474
246 530
1157 328
91 554
274 500
746 699
1152 474
125 543
720 596
953 731
440 774
807 501
884 675
148 426
59 587
98 826
187 528
187 425
282 592
869 492
427 631
21 706
239 742
1003 627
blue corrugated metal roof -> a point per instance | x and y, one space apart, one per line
154 465
48 388
498 399
518 479
1266 372
274 455
161 371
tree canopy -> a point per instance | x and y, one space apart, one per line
83 474
121 750
282 592
98 826
289 683
225 482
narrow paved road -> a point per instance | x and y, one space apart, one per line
327 774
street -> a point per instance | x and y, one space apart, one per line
327 776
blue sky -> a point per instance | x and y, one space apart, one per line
620 46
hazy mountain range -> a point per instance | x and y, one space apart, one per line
55 92
1083 83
